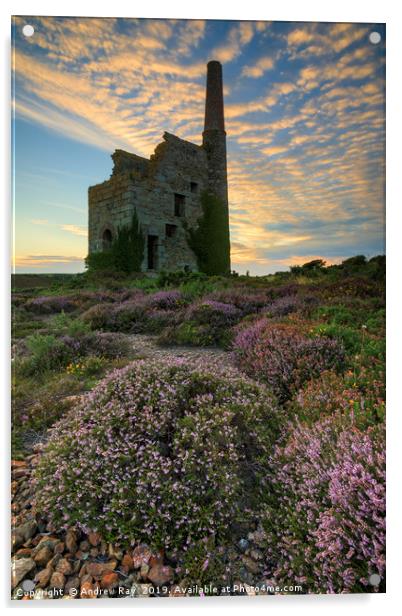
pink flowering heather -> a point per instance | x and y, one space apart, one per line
283 358
211 312
51 304
326 518
166 300
244 300
160 453
283 305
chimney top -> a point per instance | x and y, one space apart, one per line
214 117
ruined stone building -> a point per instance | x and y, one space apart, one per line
165 190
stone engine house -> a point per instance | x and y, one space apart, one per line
164 190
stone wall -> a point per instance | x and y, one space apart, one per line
164 190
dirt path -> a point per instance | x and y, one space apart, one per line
212 357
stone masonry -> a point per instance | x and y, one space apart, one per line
165 189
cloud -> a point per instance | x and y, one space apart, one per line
41 260
259 68
75 230
304 120
39 221
239 36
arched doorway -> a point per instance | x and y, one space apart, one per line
107 239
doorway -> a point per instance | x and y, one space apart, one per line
152 252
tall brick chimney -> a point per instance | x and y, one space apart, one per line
214 141
214 119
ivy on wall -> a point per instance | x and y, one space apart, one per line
210 239
126 252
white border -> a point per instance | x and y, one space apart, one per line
286 10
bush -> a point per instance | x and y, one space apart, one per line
51 304
246 302
362 399
46 353
210 312
326 519
282 357
283 306
159 453
98 316
166 300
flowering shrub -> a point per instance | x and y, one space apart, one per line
166 300
51 304
326 519
158 319
46 352
124 316
90 366
246 302
106 345
98 316
330 393
129 317
283 358
282 306
160 453
213 313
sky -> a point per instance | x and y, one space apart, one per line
304 115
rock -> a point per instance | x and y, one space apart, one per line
85 546
127 563
17 540
256 554
94 539
42 555
114 552
54 562
141 555
243 544
57 581
23 533
71 541
64 566
19 473
43 577
23 553
250 564
160 575
59 548
94 552
156 559
73 586
76 566
110 579
51 542
95 569
20 567
144 571
18 464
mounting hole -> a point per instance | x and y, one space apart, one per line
374 579
28 30
374 38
